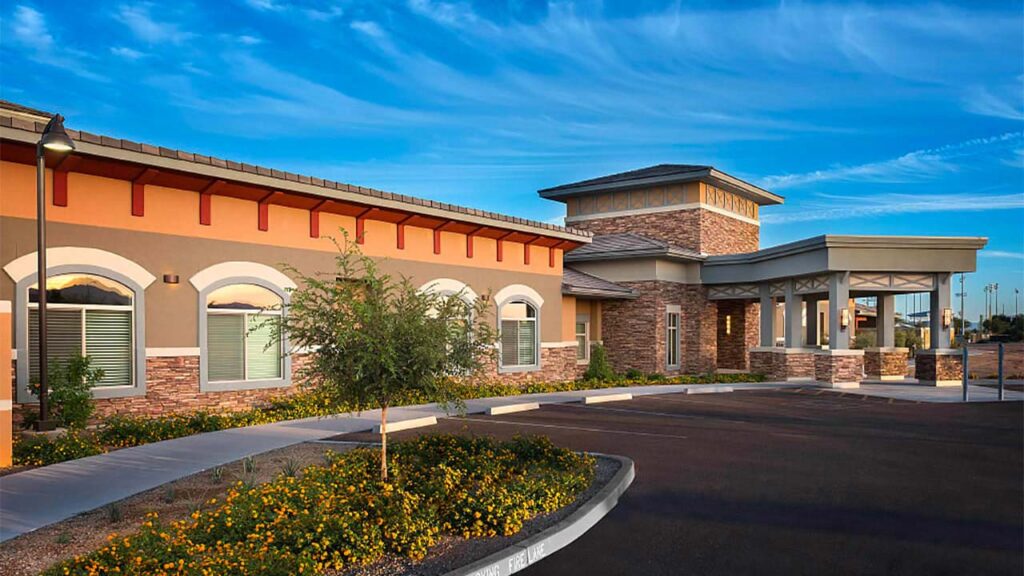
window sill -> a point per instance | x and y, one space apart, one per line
514 369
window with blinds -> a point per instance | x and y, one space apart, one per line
88 315
518 335
241 339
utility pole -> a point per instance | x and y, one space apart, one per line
995 287
963 319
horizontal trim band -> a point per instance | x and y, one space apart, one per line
660 209
564 344
170 352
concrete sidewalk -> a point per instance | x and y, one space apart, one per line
35 498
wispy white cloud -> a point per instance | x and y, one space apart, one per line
1007 103
1002 254
29 30
838 207
911 167
126 52
139 19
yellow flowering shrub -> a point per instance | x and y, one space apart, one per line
340 515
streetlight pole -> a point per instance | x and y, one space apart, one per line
55 139
963 319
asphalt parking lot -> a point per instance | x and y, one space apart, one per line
792 481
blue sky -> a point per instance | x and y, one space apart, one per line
895 118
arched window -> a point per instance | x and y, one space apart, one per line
242 342
520 339
90 315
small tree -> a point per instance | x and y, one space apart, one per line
70 391
375 339
599 368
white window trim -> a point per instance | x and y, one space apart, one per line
122 271
449 286
508 297
281 291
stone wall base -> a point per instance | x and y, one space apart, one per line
941 367
839 368
886 363
780 364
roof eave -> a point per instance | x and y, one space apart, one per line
756 193
380 199
597 293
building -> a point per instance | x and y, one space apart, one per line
160 259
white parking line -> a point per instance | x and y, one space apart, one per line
580 428
663 414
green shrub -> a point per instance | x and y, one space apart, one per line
41 450
599 367
634 374
69 391
340 516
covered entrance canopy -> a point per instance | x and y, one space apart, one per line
837 269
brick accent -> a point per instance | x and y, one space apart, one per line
627 327
843 370
943 369
794 365
556 365
694 228
763 362
886 363
172 386
742 336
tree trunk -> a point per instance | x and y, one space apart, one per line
384 444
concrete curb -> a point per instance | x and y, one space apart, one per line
606 398
512 408
539 546
709 390
407 424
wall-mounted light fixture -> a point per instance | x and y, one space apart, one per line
728 324
947 317
170 278
844 317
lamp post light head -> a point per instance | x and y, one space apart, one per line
55 138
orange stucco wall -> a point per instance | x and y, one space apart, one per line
106 202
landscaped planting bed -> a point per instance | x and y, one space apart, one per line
125 431
337 516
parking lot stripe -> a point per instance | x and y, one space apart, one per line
663 414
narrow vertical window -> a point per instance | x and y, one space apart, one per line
672 338
582 340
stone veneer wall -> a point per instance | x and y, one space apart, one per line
830 369
733 348
172 386
939 369
633 331
694 228
885 363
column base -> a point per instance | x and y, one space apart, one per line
941 383
886 363
939 367
783 364
839 368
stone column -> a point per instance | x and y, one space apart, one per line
885 361
940 365
761 358
839 367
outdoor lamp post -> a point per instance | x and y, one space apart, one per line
54 139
